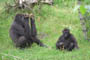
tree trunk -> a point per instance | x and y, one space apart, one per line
82 22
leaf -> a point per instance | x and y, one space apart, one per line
82 9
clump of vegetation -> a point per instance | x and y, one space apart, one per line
50 22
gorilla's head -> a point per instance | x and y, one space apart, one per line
21 18
66 32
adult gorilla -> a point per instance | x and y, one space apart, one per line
22 34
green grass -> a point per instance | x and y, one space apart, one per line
50 23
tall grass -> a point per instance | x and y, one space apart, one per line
50 23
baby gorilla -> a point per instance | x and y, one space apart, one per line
67 41
21 33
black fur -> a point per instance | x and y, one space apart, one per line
22 34
67 41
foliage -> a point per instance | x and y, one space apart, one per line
82 9
50 23
87 22
87 1
86 16
65 3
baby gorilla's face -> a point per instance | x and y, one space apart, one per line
66 32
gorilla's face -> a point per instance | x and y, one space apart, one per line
66 33
21 18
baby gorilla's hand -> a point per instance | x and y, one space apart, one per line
32 17
61 46
26 15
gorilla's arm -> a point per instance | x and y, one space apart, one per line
60 42
36 40
27 28
61 39
33 27
34 33
74 42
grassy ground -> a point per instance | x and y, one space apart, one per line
50 23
